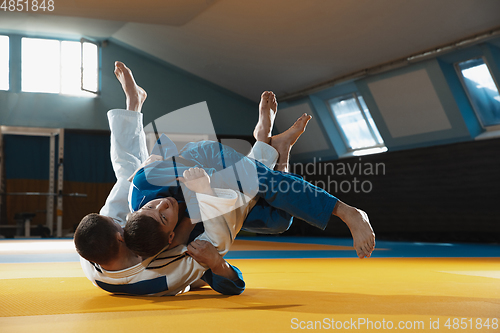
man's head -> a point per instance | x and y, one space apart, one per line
151 228
97 238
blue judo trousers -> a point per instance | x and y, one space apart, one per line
280 195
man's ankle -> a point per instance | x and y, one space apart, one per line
343 211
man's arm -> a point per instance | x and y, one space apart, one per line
224 285
217 208
206 254
180 269
222 277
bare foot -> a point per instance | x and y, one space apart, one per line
359 225
267 112
135 95
284 142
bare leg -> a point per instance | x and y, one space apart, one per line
134 94
359 225
267 112
284 142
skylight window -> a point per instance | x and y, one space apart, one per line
53 66
355 123
4 63
482 90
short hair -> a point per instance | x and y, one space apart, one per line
143 235
95 239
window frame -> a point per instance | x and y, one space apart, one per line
349 149
82 41
467 93
9 86
60 40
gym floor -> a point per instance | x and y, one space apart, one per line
293 284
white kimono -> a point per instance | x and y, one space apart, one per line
172 271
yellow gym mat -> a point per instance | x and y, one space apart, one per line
283 295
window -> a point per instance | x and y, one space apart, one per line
356 123
40 68
54 66
4 63
90 65
481 90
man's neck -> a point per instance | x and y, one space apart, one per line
125 259
182 232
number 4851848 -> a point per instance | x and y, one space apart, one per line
27 5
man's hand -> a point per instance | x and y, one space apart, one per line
197 180
207 255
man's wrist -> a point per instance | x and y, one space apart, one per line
222 268
208 191
219 266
